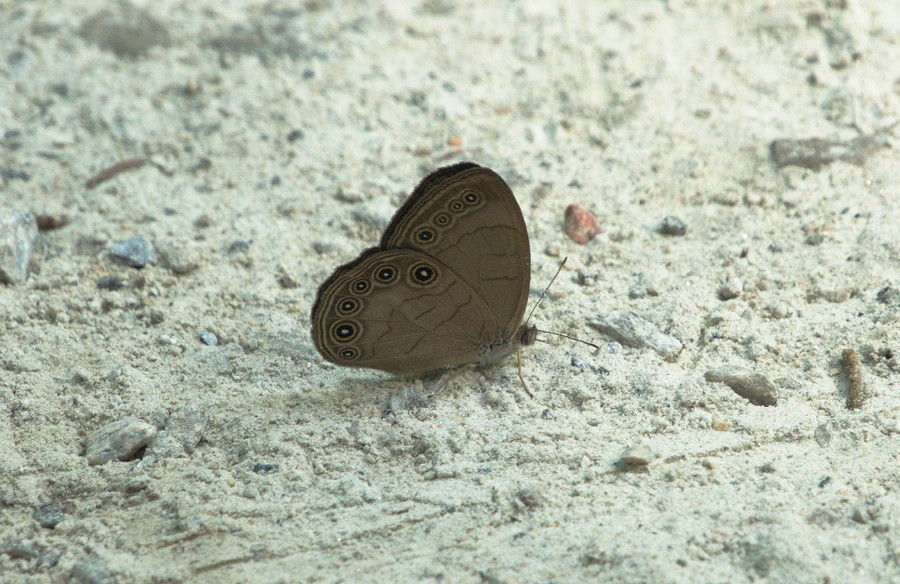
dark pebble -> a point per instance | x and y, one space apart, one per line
48 516
110 283
672 226
888 295
295 135
264 467
49 221
239 246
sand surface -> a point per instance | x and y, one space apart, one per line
281 136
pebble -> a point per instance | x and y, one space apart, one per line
178 259
730 290
49 220
814 153
529 498
90 571
672 226
163 445
18 233
110 283
208 338
48 516
125 30
188 425
286 278
26 549
639 455
264 467
408 400
888 295
580 225
633 331
136 252
118 440
754 387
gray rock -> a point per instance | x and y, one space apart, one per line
753 387
633 331
118 440
208 338
18 232
136 252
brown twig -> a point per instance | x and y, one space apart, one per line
111 171
850 362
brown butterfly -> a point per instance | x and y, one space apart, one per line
447 285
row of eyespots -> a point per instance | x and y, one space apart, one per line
343 332
428 235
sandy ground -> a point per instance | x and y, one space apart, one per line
281 138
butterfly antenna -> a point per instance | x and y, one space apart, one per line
544 293
565 336
538 303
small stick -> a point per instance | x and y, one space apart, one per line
850 361
111 171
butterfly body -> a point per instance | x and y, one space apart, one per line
446 286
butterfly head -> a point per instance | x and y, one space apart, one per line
527 335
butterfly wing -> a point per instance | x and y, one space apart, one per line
466 217
400 311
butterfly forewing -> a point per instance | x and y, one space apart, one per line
467 217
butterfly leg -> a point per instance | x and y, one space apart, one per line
522 379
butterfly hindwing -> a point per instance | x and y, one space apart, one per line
400 311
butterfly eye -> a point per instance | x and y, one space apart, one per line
345 331
349 353
456 206
360 287
425 235
472 198
349 306
385 274
423 274
442 219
